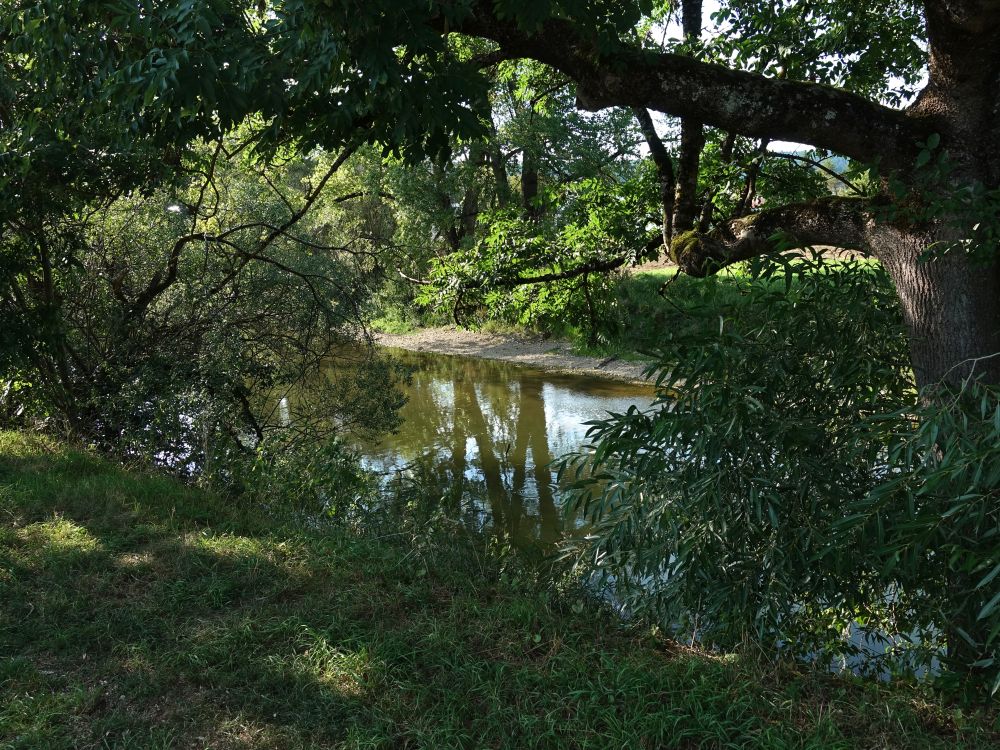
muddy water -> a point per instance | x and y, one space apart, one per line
489 431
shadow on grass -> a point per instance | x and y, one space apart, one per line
140 613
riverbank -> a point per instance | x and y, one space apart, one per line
141 613
519 348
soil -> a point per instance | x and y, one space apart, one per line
522 349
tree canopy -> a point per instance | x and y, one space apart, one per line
166 171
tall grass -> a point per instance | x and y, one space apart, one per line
140 613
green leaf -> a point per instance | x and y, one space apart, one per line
988 608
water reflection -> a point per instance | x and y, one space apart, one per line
489 431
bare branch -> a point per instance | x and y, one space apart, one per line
818 165
208 183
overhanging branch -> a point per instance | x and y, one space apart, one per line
733 100
836 221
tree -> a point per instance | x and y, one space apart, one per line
531 200
952 303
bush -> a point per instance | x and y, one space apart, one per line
721 511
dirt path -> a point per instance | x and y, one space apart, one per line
522 349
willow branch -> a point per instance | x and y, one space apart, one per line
736 101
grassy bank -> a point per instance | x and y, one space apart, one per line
138 613
635 310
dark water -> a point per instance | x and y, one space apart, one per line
489 430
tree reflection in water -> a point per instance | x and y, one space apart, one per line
488 432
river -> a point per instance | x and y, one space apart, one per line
490 430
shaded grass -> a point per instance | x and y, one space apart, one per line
645 305
140 613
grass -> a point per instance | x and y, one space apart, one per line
647 304
140 613
650 302
636 309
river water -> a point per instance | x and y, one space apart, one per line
489 431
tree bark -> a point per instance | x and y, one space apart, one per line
686 207
951 305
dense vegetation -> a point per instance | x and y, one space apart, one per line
205 203
140 613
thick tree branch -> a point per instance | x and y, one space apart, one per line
733 100
664 170
688 165
692 137
594 266
837 221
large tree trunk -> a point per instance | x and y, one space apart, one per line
951 305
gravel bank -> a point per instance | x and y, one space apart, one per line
522 349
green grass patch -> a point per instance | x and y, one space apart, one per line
647 304
141 613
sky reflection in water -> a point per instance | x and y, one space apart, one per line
490 430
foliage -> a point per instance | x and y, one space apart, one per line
873 50
806 498
319 479
596 224
139 612
934 525
544 188
176 325
715 511
737 176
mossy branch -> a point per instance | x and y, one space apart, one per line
835 222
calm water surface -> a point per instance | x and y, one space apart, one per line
489 431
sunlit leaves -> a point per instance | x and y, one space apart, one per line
875 50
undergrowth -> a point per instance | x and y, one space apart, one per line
141 613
